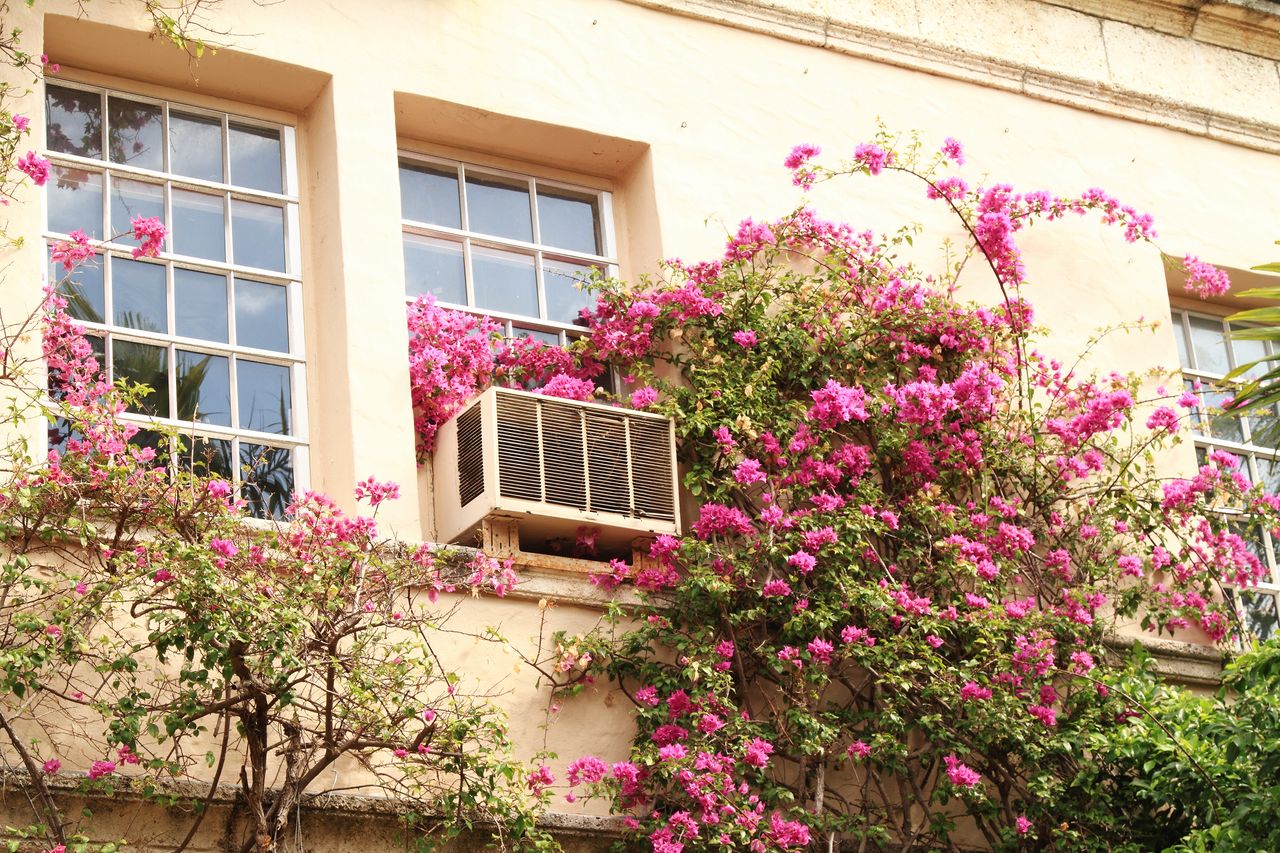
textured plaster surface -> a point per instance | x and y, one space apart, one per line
684 110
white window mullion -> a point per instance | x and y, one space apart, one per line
233 349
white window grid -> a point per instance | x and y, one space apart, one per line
296 440
516 325
1240 436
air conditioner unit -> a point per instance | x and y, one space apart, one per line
555 465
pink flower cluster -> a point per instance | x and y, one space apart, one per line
1204 279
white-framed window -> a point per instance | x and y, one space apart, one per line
213 324
1207 352
510 246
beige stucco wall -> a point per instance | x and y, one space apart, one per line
685 111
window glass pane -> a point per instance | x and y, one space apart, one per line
267 474
198 225
255 157
504 281
157 443
98 345
203 387
135 133
75 201
138 295
82 288
499 207
257 235
200 304
434 266
1264 428
195 146
566 294
74 121
1180 338
262 315
1259 610
206 457
148 365
130 199
1197 412
551 338
1222 425
1246 351
263 394
60 431
1210 348
568 220
1269 474
430 194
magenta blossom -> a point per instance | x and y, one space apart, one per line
99 769
758 752
953 151
149 231
960 773
374 492
1203 279
71 253
35 167
643 398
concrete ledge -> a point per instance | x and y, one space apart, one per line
1185 663
329 822
1249 26
1205 54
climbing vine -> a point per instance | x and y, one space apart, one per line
916 533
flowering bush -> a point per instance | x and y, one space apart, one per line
1197 772
454 355
150 637
165 619
916 531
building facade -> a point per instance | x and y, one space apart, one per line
332 160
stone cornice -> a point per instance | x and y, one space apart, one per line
1249 26
1123 88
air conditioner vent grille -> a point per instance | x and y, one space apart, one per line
470 456
651 464
562 451
583 457
519 460
608 472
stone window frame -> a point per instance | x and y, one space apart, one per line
514 324
290 441
1259 609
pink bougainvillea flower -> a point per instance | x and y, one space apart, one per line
859 749
540 779
758 752
71 253
643 398
953 151
801 154
1204 279
374 492
35 167
149 231
100 769
960 773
